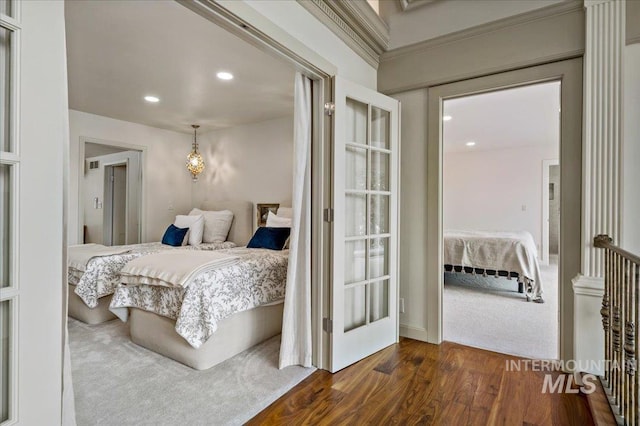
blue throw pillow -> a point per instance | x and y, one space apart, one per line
269 238
173 236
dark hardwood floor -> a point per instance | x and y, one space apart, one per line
419 383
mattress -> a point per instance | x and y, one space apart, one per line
512 252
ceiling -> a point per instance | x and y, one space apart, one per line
120 51
510 118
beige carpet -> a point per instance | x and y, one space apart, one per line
489 313
117 382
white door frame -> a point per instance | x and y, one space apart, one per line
544 250
569 72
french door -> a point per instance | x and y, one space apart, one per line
365 243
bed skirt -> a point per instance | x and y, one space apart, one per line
80 311
234 335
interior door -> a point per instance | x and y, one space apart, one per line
365 244
119 205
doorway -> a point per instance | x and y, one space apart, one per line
111 193
569 73
493 189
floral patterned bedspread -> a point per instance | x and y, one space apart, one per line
258 278
102 273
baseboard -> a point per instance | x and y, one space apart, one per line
412 332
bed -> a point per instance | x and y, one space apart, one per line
507 254
94 277
217 313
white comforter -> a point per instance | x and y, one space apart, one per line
173 269
500 251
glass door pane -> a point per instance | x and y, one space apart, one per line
355 261
379 171
5 88
379 214
5 7
355 307
379 300
355 215
5 225
356 168
356 122
380 128
5 351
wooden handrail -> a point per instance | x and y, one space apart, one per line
620 319
606 242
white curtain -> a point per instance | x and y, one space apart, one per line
295 348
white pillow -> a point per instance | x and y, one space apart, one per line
196 228
216 224
275 221
285 212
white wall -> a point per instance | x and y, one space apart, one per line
631 150
413 212
250 163
498 190
166 181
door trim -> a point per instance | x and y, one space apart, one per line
546 168
569 72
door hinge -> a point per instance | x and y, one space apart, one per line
327 325
328 215
329 108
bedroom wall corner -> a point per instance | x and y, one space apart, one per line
252 162
166 181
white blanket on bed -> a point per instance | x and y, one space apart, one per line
80 255
174 268
500 251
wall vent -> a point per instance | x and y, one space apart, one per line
94 165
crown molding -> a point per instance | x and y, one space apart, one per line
355 23
542 13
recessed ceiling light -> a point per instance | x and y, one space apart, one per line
470 143
152 99
223 75
446 118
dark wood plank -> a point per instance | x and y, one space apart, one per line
600 408
418 383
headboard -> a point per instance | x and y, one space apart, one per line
242 226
